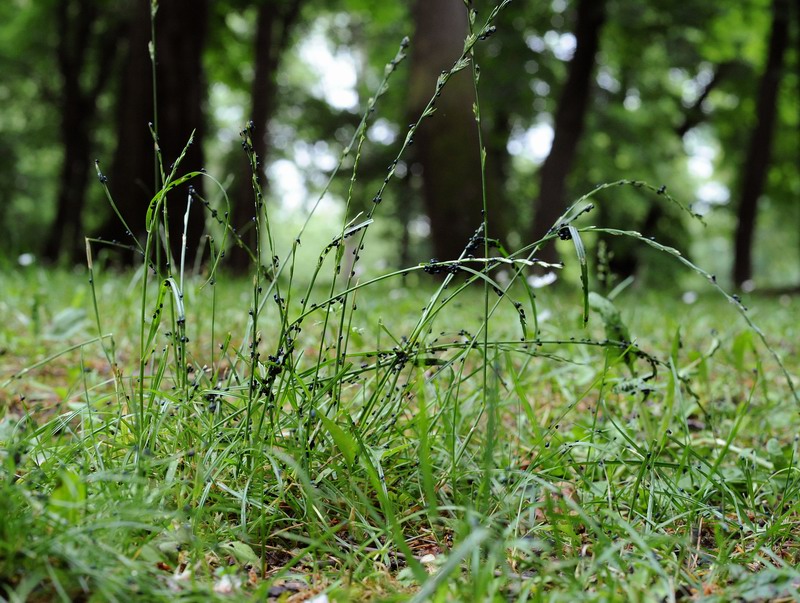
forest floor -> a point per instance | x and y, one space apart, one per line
394 451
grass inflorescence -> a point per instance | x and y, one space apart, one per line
308 432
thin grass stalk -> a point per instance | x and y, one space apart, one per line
487 401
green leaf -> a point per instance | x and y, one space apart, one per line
741 344
581 253
615 328
776 455
242 552
344 442
69 497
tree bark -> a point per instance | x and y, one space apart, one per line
757 162
181 96
78 32
274 24
569 122
132 170
446 145
181 91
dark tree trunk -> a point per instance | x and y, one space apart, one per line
274 23
78 30
132 171
757 162
181 92
569 122
181 96
446 144
498 167
63 240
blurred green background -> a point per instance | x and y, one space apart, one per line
701 97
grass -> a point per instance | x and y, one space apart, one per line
592 487
309 433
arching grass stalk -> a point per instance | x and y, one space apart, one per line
582 207
712 281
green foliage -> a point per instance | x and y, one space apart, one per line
314 428
655 59
28 126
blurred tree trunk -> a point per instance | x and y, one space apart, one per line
446 144
274 24
496 132
569 122
181 95
80 36
132 172
181 91
757 161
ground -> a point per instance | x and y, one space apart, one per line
393 451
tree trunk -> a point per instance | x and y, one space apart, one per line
446 144
181 91
66 228
757 162
77 24
569 122
274 23
132 170
181 95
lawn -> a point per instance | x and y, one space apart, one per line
384 445
461 430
